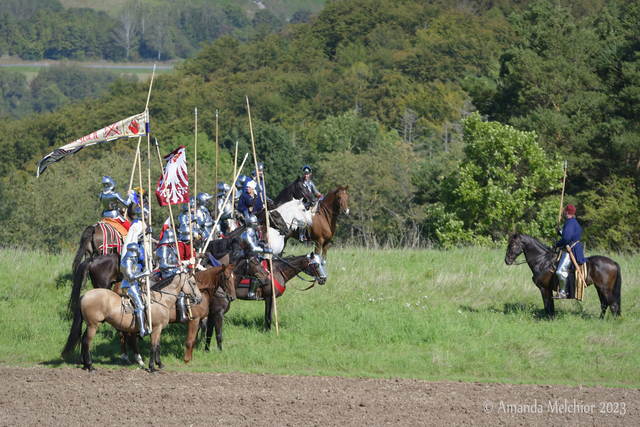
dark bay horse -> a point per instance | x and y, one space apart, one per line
286 268
325 221
602 272
295 190
92 239
209 281
102 305
104 271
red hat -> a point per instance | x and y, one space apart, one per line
570 209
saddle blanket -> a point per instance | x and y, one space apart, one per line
111 238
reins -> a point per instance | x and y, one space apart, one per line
300 270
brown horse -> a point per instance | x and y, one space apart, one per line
602 272
286 269
325 221
93 239
104 271
209 281
102 305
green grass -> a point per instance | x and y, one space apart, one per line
459 314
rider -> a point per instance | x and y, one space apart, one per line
130 283
245 205
261 192
135 232
226 224
571 233
109 198
252 246
169 266
203 215
306 177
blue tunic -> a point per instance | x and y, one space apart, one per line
245 203
257 207
571 233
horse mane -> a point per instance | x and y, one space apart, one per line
538 243
286 191
164 283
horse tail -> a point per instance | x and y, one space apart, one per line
79 279
87 235
75 333
617 288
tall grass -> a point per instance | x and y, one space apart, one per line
429 314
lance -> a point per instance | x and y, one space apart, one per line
562 196
215 224
266 214
133 169
147 252
173 226
215 208
233 185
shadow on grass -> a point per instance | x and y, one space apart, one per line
63 280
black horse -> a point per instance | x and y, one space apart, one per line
286 269
104 271
295 190
602 272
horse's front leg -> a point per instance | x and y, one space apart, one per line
268 312
192 334
549 306
154 351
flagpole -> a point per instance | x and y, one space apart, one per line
266 214
215 224
144 243
153 73
195 188
173 226
562 196
149 182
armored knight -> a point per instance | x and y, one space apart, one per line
109 198
306 177
203 215
169 266
226 224
240 185
252 246
130 284
135 234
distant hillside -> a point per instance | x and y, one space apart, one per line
285 8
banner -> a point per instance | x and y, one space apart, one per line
176 187
137 125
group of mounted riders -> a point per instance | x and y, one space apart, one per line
176 254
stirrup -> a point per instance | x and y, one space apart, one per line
561 295
253 297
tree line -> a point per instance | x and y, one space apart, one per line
449 122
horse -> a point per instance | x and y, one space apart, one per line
602 272
104 270
208 281
296 190
325 221
225 251
285 269
295 215
93 239
102 305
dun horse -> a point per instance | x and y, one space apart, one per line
602 272
102 305
286 269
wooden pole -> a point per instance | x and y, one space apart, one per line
215 208
562 196
173 225
266 215
133 169
149 179
233 185
579 272
215 224
195 187
144 243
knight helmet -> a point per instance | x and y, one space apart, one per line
109 183
167 237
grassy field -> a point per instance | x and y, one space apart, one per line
458 314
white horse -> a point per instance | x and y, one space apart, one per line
295 215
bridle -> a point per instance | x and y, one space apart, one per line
304 269
512 259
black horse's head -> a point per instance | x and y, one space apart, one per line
301 191
514 248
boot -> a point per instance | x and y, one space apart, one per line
182 308
252 290
134 293
140 315
561 289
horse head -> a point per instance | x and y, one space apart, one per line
256 269
342 198
315 268
514 248
228 281
301 191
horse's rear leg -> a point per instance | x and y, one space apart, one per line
603 303
268 313
214 323
85 352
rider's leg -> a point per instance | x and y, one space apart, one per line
563 272
252 289
134 293
182 308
